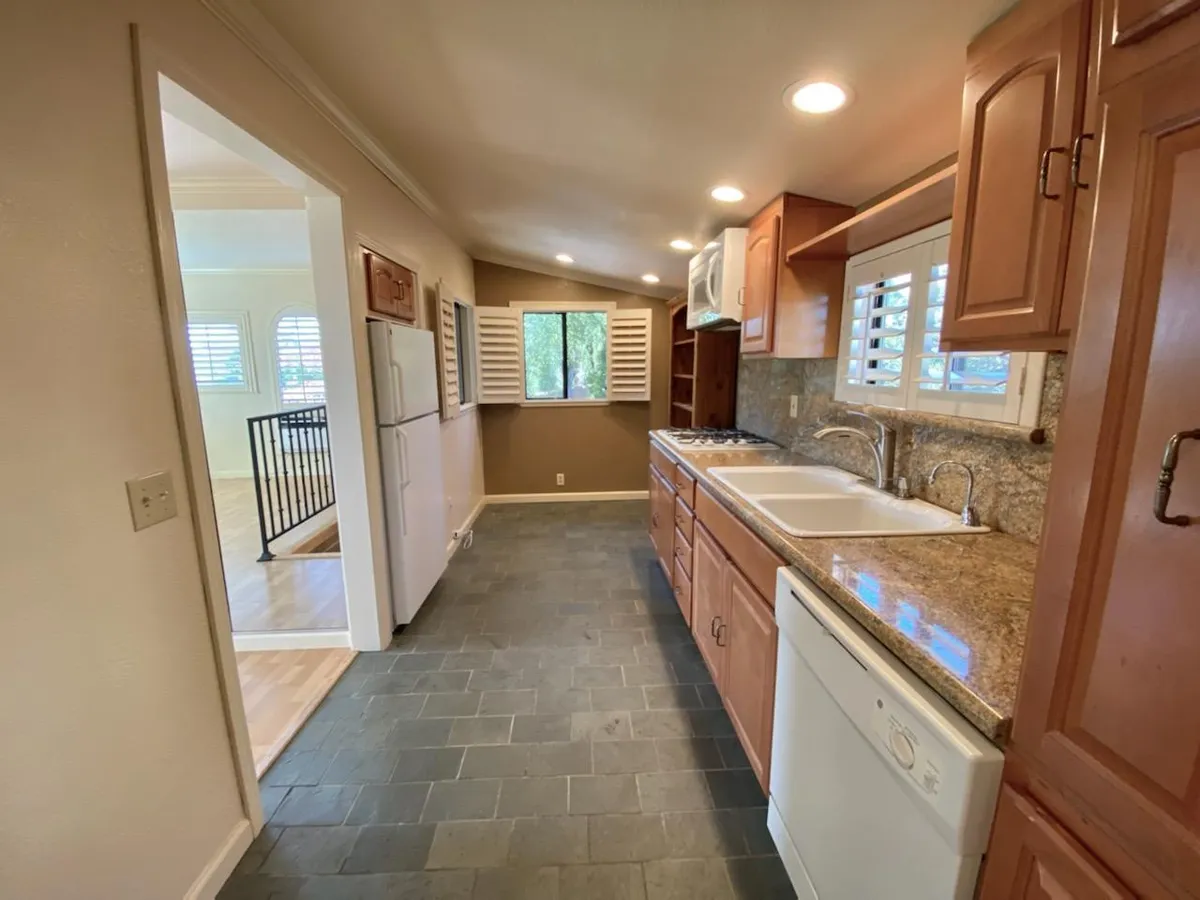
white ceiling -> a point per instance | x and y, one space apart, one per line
598 128
193 154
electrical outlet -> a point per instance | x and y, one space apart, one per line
560 479
794 406
151 499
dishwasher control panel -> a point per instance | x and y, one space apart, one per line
912 755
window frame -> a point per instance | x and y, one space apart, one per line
918 254
294 312
239 319
464 349
528 306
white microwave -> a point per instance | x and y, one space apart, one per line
716 280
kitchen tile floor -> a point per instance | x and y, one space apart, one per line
545 730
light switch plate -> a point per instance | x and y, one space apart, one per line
794 406
151 499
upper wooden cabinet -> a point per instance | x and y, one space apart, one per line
391 288
792 311
1032 858
1023 108
1108 714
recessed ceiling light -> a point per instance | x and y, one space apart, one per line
650 279
681 244
565 259
712 244
817 97
727 193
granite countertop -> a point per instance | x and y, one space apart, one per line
953 608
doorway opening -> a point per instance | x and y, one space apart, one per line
258 348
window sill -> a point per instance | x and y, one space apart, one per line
563 403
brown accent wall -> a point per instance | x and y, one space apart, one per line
600 448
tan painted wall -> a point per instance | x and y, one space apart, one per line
116 780
601 448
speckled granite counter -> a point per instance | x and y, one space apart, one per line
952 608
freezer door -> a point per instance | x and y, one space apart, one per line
415 505
405 372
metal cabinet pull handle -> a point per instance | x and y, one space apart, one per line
712 626
1162 495
654 520
1044 173
720 631
741 296
1077 159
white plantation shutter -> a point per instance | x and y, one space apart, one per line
629 355
500 355
219 352
446 334
298 360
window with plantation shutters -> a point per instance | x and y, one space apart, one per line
446 335
629 355
891 330
220 352
298 362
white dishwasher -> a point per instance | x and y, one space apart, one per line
878 788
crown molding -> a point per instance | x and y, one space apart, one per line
570 273
256 32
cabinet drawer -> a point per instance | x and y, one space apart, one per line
743 546
685 487
685 520
683 552
683 592
661 461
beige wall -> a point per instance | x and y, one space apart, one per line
602 448
116 779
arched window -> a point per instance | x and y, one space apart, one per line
298 360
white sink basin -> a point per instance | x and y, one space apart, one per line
790 480
821 501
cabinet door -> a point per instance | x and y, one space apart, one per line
1110 694
1031 858
710 602
662 522
381 286
752 641
1022 107
762 274
406 294
652 527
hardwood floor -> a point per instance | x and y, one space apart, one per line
283 594
280 689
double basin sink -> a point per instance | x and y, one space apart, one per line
821 501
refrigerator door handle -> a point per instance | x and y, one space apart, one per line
405 480
398 390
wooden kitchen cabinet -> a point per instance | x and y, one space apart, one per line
1107 721
662 521
752 640
391 288
792 311
710 602
1033 858
1014 204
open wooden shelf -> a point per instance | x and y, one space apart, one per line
922 204
685 342
683 375
683 406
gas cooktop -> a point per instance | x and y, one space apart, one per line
725 438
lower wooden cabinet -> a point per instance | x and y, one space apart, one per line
752 640
735 630
710 602
662 521
683 593
1031 857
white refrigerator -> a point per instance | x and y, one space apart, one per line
410 449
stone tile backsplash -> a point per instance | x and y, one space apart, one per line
1011 475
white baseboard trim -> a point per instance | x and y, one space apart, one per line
452 547
231 473
567 498
220 867
290 640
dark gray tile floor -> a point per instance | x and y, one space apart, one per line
544 730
